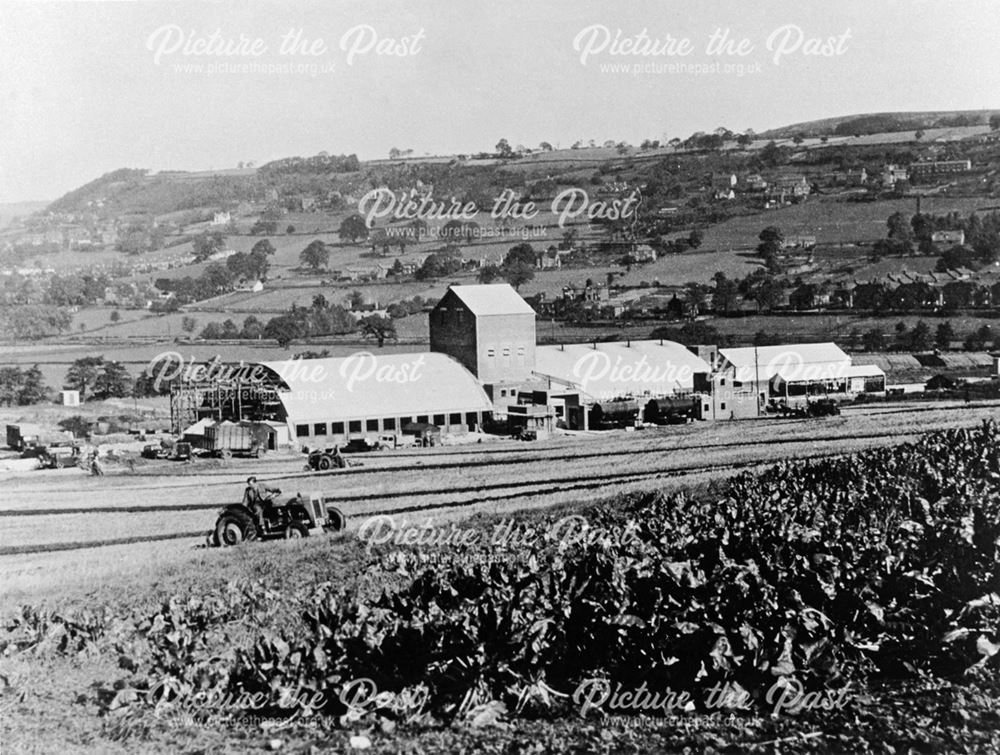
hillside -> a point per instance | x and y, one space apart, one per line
872 123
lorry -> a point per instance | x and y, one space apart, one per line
238 439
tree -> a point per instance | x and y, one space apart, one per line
113 381
379 327
352 228
316 255
899 227
995 122
188 324
252 328
33 388
944 335
695 238
439 264
11 383
264 246
545 147
284 329
397 270
82 373
873 340
770 244
355 300
725 296
803 297
920 337
489 274
206 244
290 229
503 148
115 315
211 332
518 265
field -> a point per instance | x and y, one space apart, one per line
55 521
66 548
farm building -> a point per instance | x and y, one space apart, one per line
606 371
332 400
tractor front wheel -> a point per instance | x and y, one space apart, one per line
324 463
295 532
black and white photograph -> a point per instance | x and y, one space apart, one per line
464 376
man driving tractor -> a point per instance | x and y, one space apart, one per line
258 497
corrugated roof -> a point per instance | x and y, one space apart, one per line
617 369
793 361
492 299
377 385
865 370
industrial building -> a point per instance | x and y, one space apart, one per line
490 330
328 401
797 371
484 362
622 369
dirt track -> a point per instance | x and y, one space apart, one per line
60 525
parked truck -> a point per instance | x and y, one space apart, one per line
240 439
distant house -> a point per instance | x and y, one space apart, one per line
724 194
798 242
933 167
788 187
754 182
948 237
850 177
892 174
724 181
643 253
548 260
221 218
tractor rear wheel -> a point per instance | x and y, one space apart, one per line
335 520
325 462
229 530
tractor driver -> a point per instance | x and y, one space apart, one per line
257 497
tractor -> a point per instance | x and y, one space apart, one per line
324 460
294 518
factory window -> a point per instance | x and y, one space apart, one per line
354 426
371 425
302 431
422 418
319 428
520 356
336 428
389 423
722 406
491 353
455 419
404 421
439 420
471 419
722 381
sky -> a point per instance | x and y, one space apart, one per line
87 87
